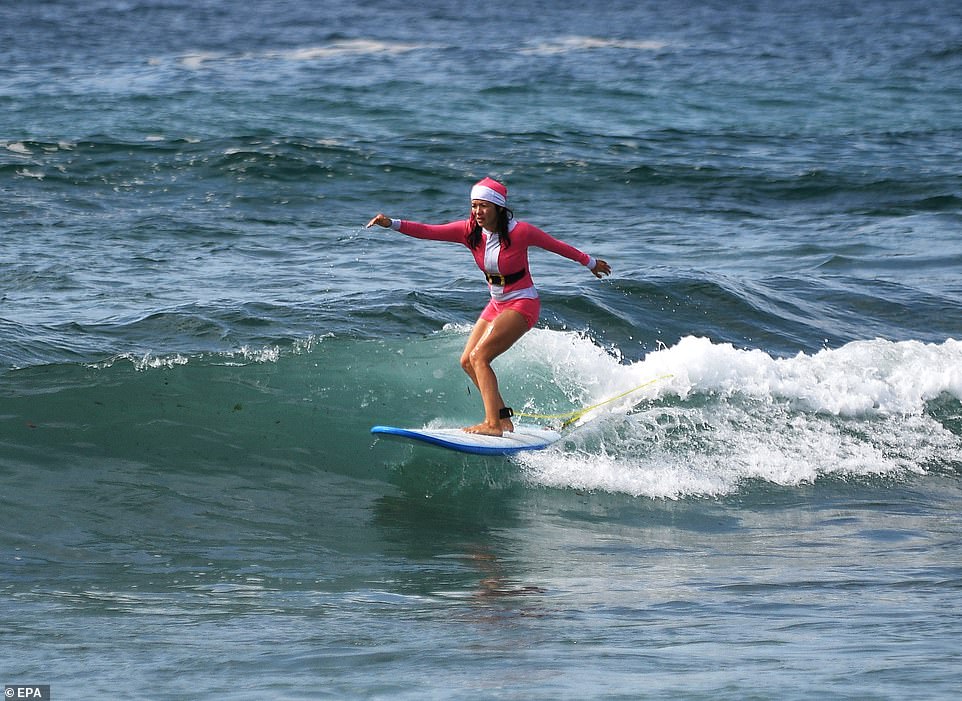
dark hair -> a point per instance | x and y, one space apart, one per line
505 216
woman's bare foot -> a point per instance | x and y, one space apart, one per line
485 429
507 426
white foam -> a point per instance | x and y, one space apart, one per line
270 354
196 61
351 47
19 148
367 47
728 415
588 43
245 355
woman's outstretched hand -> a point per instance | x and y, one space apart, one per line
380 220
601 268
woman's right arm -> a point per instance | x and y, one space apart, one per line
455 231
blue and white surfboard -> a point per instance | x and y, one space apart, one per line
522 438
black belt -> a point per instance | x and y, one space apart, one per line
502 280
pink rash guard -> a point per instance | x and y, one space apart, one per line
492 257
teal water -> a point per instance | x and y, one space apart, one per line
196 334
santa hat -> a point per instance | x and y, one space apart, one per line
490 190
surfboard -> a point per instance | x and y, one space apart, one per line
522 438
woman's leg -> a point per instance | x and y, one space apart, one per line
477 333
487 341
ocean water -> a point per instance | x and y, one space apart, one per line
197 332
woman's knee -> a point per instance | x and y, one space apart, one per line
476 358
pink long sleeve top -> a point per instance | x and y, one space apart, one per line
493 258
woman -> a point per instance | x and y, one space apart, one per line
500 247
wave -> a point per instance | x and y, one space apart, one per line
605 172
729 417
725 419
348 47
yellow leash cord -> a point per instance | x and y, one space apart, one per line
571 416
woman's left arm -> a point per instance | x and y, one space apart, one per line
599 268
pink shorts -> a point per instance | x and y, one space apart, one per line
530 309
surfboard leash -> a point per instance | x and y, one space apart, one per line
571 417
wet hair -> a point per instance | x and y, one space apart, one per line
505 216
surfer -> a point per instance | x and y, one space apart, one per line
500 246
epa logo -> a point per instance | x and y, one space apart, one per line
35 692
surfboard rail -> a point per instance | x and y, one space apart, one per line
524 437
